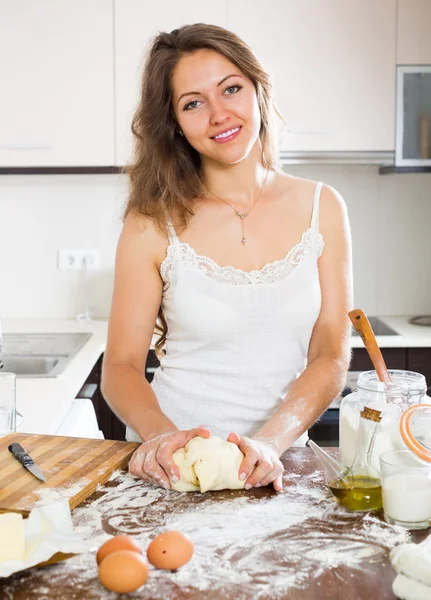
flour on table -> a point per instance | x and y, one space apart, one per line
251 545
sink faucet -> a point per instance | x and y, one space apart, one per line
1 338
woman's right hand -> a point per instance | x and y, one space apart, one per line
153 461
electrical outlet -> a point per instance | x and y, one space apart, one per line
78 260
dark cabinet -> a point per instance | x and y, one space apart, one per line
419 360
411 359
395 358
111 426
109 423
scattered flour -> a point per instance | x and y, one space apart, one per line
247 545
49 495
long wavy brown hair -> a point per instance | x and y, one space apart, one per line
164 172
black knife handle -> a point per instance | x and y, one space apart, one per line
20 454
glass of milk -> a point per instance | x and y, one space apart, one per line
406 489
7 403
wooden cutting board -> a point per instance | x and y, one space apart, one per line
73 468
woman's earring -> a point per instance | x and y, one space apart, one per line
180 132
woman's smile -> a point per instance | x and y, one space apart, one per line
227 135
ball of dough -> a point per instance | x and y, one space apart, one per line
208 464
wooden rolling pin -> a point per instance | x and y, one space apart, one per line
363 327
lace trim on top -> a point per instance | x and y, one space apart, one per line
275 271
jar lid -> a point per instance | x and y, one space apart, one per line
415 428
403 384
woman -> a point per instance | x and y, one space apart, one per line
248 269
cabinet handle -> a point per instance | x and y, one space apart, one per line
24 147
306 131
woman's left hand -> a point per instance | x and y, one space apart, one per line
261 465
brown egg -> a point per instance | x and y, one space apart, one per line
170 550
123 571
119 542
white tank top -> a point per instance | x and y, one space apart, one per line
236 339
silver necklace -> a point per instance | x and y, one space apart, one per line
241 215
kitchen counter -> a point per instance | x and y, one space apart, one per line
411 336
298 544
45 402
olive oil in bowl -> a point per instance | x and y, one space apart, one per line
365 494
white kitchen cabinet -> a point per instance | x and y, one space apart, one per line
414 32
136 22
333 66
56 72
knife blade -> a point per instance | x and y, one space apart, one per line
25 459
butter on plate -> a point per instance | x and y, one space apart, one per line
12 537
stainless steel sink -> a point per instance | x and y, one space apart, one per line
39 354
30 365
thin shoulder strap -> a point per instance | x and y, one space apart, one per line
172 234
316 205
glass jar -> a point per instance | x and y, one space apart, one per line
391 399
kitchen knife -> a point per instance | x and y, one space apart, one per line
25 459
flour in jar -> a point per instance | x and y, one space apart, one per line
406 389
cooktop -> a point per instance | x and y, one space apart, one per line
378 327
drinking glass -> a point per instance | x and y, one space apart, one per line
7 403
406 490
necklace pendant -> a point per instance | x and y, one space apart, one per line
243 240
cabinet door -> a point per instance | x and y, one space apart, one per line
333 65
56 105
395 358
419 361
111 426
136 22
414 32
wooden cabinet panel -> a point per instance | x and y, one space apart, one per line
419 360
109 424
113 428
412 359
414 32
395 358
57 102
136 22
333 65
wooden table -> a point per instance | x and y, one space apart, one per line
298 545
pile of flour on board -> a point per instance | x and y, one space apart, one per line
50 495
239 540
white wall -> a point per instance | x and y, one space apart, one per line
390 219
42 213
